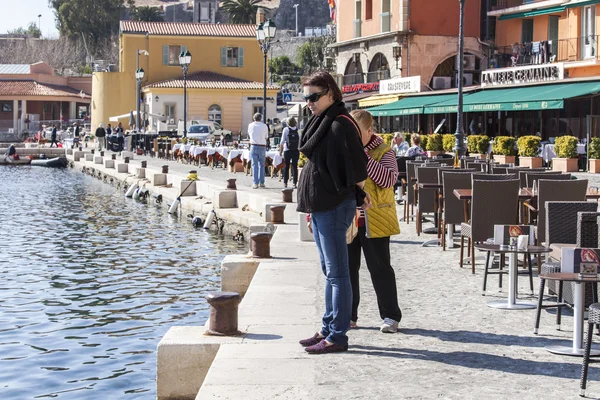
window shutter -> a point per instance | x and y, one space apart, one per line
240 57
223 56
166 55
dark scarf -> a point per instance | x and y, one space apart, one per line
318 126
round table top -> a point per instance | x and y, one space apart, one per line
569 277
530 249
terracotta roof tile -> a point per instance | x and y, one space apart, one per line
210 80
33 88
188 29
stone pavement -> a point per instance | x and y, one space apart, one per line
451 345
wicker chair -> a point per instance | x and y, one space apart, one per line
533 177
587 229
479 166
410 189
492 177
523 174
493 203
453 207
465 160
593 319
427 201
499 170
401 183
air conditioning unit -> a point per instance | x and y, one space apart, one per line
467 80
441 82
469 62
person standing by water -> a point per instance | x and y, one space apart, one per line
53 136
259 135
101 136
120 137
290 142
330 188
374 237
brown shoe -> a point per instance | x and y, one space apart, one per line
312 340
322 347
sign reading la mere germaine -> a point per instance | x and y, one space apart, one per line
410 84
524 74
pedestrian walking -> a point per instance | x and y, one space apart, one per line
259 134
120 136
101 136
289 147
53 136
375 226
330 188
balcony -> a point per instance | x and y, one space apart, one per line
536 53
503 4
353 79
376 76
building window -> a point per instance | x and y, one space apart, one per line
170 113
588 27
386 15
368 9
215 114
232 57
6 106
171 54
527 31
257 109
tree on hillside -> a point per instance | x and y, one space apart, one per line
283 70
94 20
32 30
241 11
312 54
146 13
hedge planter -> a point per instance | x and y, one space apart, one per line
434 153
530 162
477 155
565 164
594 165
505 159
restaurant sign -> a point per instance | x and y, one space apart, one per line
486 107
523 74
403 111
361 88
411 84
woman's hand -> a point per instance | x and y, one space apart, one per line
367 203
309 223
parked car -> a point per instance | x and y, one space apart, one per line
206 130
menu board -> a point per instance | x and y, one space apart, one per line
504 233
582 261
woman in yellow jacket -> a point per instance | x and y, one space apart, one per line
375 226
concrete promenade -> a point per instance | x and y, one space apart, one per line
451 345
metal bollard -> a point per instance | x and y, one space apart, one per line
126 160
223 320
101 153
277 214
92 151
287 194
144 164
165 169
231 184
261 244
113 156
80 148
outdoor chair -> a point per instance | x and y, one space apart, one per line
465 160
427 201
409 202
593 319
401 183
479 166
492 177
498 170
453 207
531 178
492 203
523 174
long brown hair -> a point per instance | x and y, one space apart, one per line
324 80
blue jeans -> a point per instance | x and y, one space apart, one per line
258 157
329 229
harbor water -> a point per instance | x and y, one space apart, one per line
89 283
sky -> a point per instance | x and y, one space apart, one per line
19 13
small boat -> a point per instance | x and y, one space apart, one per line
9 160
56 162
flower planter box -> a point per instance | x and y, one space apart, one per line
476 155
531 162
434 153
505 159
565 164
594 165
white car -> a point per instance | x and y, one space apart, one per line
206 130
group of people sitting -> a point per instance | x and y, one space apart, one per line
401 148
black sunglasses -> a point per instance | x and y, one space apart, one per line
314 97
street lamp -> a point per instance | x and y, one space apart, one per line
458 143
265 33
40 24
185 59
139 75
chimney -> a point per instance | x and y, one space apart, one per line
260 16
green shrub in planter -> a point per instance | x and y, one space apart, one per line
529 146
424 140
566 147
407 137
387 138
504 146
478 144
448 141
434 142
594 149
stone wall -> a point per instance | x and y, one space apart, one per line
311 13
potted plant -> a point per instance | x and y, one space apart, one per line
478 145
448 141
434 145
594 155
565 148
529 148
504 149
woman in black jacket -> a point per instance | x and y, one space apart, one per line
330 184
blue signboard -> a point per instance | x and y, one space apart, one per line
287 97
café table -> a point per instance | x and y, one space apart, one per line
576 349
512 303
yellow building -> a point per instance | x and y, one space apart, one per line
224 81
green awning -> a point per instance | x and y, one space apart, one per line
583 3
539 97
533 13
409 105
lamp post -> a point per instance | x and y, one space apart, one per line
40 24
296 7
458 144
139 75
185 59
265 33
